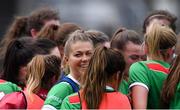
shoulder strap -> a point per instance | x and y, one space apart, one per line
24 99
80 100
71 82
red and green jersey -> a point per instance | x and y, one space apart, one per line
111 100
149 74
57 94
71 102
8 87
175 102
124 87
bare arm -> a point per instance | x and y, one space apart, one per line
139 97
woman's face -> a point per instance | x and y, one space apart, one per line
78 58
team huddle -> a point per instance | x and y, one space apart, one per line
46 64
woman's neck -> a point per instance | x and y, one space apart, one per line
74 76
75 79
154 58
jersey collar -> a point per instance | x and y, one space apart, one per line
109 89
70 76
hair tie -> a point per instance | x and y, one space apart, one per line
19 45
120 30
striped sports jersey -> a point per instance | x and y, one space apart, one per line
110 100
149 74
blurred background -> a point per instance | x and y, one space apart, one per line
103 15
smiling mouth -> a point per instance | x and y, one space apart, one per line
84 66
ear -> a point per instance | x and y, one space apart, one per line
64 62
107 44
33 33
146 49
170 53
65 59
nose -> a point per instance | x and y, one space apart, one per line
85 58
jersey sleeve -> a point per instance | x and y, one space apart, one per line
66 104
14 87
71 102
57 94
9 87
138 75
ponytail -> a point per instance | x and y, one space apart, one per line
158 40
35 72
19 53
102 66
40 71
17 29
48 31
170 84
